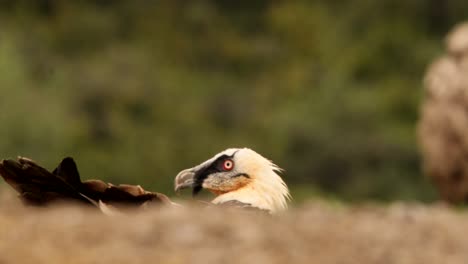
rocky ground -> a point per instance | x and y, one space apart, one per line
314 233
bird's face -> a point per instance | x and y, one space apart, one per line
223 173
240 175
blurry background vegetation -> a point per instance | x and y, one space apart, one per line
136 91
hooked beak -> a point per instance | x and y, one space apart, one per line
185 179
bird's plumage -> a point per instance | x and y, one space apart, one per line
239 178
38 186
443 123
253 180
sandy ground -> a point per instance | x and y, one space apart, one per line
314 233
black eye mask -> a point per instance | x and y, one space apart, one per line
215 167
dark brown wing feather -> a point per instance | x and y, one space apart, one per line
38 186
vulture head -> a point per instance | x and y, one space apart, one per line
240 177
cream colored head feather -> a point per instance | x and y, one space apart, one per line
241 175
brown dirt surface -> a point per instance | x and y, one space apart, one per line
314 233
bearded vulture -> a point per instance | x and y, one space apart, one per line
443 124
238 177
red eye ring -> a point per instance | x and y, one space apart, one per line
228 165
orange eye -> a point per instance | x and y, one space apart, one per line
228 165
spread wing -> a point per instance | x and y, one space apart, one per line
38 186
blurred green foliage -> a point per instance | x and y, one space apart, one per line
136 91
